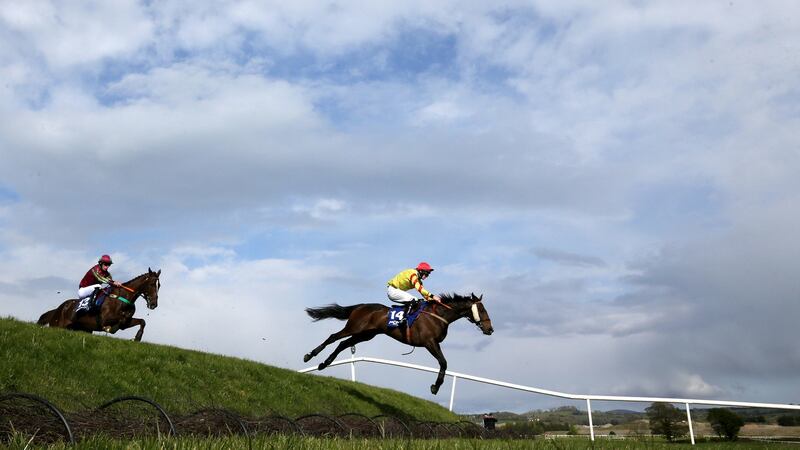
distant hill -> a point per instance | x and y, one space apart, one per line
567 415
78 371
573 416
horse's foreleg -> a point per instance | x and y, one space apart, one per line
349 342
132 323
436 351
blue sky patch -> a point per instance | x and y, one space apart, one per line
8 195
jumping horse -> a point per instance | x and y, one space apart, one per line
116 312
367 320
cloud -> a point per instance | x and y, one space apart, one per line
567 258
619 181
79 33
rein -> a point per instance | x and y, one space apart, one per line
433 314
436 316
125 300
121 298
433 308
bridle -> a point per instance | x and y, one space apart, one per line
475 316
146 284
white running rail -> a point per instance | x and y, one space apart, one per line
686 401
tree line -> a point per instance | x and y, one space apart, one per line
667 420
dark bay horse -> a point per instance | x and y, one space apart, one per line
116 312
367 320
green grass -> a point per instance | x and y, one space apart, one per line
298 443
77 371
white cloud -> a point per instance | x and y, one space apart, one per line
648 151
78 32
320 209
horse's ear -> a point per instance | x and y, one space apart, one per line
149 270
480 299
158 273
472 294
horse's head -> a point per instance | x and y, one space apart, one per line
478 315
150 288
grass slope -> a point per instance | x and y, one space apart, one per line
76 371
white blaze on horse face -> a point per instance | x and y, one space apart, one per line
475 314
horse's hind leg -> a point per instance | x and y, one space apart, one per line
351 341
348 330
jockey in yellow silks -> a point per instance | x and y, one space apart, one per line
410 279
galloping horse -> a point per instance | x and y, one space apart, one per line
116 312
367 320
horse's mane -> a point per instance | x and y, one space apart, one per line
454 298
136 278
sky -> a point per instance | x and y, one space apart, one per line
617 179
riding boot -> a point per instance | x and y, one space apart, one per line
412 306
84 305
93 300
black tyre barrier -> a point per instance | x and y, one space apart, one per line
470 429
392 427
274 425
423 430
360 425
138 428
448 430
213 422
45 423
15 420
321 425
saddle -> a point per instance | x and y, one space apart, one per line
400 315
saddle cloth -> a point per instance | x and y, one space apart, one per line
100 297
397 313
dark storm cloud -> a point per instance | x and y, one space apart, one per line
567 258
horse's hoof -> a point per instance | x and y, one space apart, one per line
434 389
307 357
321 366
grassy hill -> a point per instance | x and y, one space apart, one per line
77 371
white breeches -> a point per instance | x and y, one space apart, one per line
396 295
87 291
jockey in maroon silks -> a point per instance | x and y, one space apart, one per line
96 278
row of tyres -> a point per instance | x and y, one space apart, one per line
130 417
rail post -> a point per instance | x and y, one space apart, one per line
689 418
353 363
453 392
591 427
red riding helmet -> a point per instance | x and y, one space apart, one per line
105 259
425 267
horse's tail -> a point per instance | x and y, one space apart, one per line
332 311
45 318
